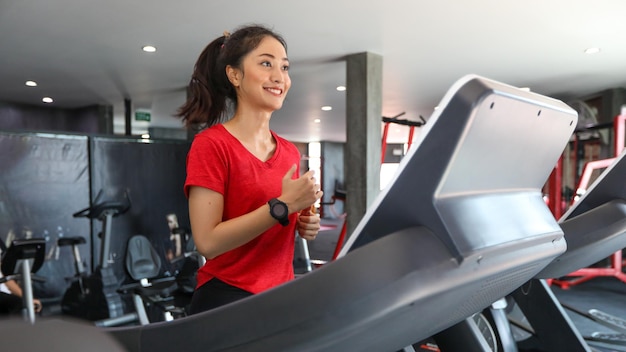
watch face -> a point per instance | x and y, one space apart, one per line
280 210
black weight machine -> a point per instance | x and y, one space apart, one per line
95 297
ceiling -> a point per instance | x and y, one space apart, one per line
85 52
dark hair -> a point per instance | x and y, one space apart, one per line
210 90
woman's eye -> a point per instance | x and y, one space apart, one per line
286 68
266 64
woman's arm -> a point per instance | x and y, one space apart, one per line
213 236
16 290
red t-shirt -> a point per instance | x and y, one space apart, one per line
218 161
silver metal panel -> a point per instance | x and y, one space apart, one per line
475 175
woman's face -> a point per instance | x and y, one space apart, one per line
264 79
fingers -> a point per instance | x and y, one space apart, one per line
300 192
308 211
290 172
308 216
308 234
309 177
37 305
308 237
308 225
309 174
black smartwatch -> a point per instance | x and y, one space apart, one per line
279 211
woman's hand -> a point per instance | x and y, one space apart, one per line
299 193
37 305
308 223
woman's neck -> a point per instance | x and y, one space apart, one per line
254 133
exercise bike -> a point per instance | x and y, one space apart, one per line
95 297
20 262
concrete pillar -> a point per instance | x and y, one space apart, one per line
363 131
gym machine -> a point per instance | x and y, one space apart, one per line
20 261
594 228
462 225
95 297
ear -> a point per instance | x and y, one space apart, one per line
234 75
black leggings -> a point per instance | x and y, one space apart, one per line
10 304
213 294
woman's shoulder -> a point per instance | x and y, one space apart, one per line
215 130
211 134
212 143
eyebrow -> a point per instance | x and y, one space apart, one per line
273 57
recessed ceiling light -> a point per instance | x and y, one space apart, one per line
31 83
327 108
47 100
149 48
317 120
145 136
592 50
341 88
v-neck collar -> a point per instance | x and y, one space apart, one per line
240 145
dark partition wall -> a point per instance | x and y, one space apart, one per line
153 174
44 179
88 119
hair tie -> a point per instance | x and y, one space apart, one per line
226 36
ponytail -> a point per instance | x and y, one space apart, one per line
208 89
210 94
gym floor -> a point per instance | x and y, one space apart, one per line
606 294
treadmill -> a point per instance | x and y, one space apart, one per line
462 224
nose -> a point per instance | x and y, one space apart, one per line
277 75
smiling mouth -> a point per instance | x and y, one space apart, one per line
275 91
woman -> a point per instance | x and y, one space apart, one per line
245 196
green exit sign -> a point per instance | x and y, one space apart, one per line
142 116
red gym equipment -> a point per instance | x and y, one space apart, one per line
614 269
387 121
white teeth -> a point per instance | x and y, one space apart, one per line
275 91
